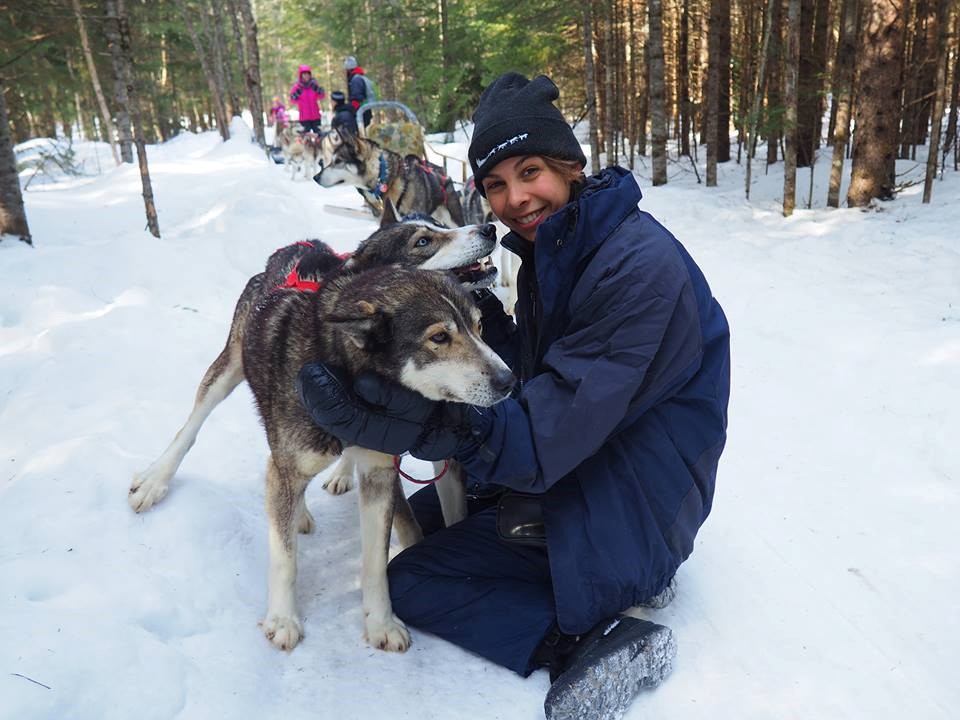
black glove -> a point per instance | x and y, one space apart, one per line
488 303
380 415
373 413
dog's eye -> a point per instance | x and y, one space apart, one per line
440 338
422 241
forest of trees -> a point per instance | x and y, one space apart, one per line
747 81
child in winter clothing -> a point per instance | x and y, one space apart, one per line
307 94
277 115
344 116
588 486
357 88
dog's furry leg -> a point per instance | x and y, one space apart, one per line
224 374
404 523
382 629
305 522
341 480
282 625
452 493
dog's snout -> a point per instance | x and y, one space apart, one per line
488 231
503 382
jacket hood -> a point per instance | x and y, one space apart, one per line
303 69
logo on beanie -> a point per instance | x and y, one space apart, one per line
497 148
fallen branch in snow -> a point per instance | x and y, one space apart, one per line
32 680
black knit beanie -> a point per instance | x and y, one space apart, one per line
517 116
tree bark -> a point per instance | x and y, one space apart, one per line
774 116
712 114
658 111
13 217
610 104
758 95
221 57
876 113
252 74
951 138
723 83
591 85
117 16
684 78
216 96
940 94
842 96
790 75
119 87
108 130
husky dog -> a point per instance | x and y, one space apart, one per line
302 153
412 184
361 312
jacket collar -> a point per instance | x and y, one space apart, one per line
574 232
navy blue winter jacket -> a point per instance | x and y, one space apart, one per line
624 359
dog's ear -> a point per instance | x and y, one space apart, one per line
367 327
389 215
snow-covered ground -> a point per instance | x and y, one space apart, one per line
824 585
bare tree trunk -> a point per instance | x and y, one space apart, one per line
875 110
118 26
842 95
712 113
791 72
940 88
684 78
220 110
758 95
723 83
610 105
951 138
591 85
221 56
252 73
774 121
119 89
13 218
658 111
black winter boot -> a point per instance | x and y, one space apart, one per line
607 667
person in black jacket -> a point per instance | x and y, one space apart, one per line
344 116
589 485
358 88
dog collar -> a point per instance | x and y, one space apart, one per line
293 281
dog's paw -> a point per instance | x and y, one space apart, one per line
339 484
146 490
284 631
306 524
392 636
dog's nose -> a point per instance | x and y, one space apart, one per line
488 231
503 382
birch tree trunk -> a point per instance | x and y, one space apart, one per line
13 218
791 72
876 111
117 16
658 110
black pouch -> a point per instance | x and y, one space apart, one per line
520 519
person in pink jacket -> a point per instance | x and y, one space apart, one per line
307 94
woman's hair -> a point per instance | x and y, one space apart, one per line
569 170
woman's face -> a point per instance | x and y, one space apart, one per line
305 77
523 192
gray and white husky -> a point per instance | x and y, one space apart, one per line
413 185
391 308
